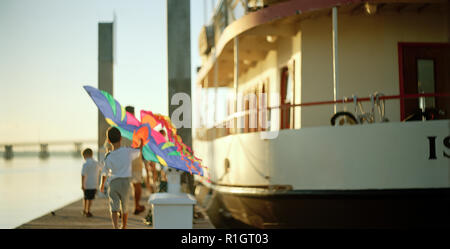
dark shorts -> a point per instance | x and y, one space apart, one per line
89 194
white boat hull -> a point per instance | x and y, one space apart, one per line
375 156
331 170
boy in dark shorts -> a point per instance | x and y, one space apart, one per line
89 180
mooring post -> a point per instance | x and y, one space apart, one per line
9 154
77 152
43 153
105 76
179 68
175 209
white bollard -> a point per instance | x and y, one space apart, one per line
173 181
172 210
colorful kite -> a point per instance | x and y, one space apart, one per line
173 153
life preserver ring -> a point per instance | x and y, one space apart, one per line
348 115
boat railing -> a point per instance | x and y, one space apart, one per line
257 119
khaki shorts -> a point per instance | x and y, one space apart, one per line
119 194
136 176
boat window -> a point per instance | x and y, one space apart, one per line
227 165
425 82
289 90
247 116
286 97
256 112
263 108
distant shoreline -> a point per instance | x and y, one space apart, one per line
25 154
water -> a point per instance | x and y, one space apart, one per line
31 187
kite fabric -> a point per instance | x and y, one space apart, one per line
173 153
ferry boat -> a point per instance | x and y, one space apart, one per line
338 116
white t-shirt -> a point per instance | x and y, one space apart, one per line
118 162
90 170
137 165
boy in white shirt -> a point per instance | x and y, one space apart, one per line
118 169
89 180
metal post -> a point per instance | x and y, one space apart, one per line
105 76
9 154
77 152
179 64
335 56
216 83
43 153
206 103
176 210
236 80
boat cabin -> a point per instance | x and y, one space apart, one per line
293 64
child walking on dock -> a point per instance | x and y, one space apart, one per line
118 170
89 180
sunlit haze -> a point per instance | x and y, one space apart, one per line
48 52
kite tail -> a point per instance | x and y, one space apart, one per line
187 164
187 154
190 165
172 132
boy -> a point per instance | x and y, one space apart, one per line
118 165
89 180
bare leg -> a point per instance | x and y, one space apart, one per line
147 178
84 206
124 220
115 218
89 203
137 196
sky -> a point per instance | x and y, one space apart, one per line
48 51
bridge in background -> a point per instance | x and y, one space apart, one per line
44 147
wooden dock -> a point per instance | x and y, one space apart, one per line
70 217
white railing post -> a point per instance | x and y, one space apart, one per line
335 56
